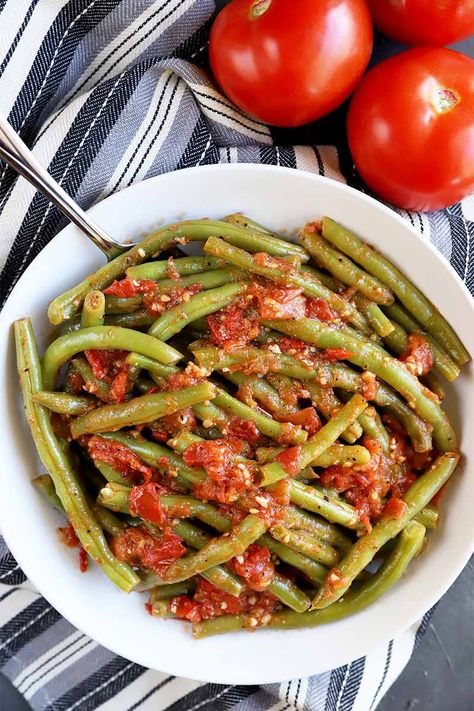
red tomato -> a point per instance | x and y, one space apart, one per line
411 128
424 22
288 63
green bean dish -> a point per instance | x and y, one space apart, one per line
252 435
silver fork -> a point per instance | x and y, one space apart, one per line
17 155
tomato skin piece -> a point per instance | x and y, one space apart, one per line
294 62
395 136
424 22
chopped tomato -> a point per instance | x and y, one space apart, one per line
119 387
308 418
418 356
105 364
370 385
156 302
332 354
255 566
185 608
233 326
262 259
83 560
126 288
270 505
290 460
395 508
227 479
145 503
68 536
320 309
245 430
119 456
279 302
184 378
138 547
171 425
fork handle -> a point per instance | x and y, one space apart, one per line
19 157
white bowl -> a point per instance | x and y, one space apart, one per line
279 198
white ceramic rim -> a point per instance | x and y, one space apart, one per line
356 647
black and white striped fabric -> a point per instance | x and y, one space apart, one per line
108 93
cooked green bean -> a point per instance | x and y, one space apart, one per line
409 295
406 324
335 454
103 338
319 442
380 324
287 276
201 304
98 388
56 462
307 544
183 266
237 218
261 391
217 551
93 309
370 356
344 269
363 551
137 319
266 425
169 590
315 500
139 410
295 517
314 571
123 304
64 403
45 485
408 546
255 238
328 404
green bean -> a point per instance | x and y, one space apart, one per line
314 571
431 382
154 367
371 357
428 517
110 473
138 319
328 404
140 410
344 269
255 238
364 550
109 522
44 484
202 510
63 403
201 304
442 361
315 500
319 442
123 304
56 462
217 551
294 517
213 358
287 276
103 338
237 218
98 388
373 427
408 546
93 309
413 300
307 544
152 453
380 324
212 415
169 590
184 266
266 425
261 391
335 454
206 280
69 303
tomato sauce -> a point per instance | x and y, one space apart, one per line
320 309
120 457
68 536
255 566
418 356
138 547
127 288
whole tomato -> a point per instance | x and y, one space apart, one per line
424 22
290 62
411 128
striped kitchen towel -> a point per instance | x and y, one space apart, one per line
108 93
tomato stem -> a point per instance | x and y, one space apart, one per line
259 7
445 100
